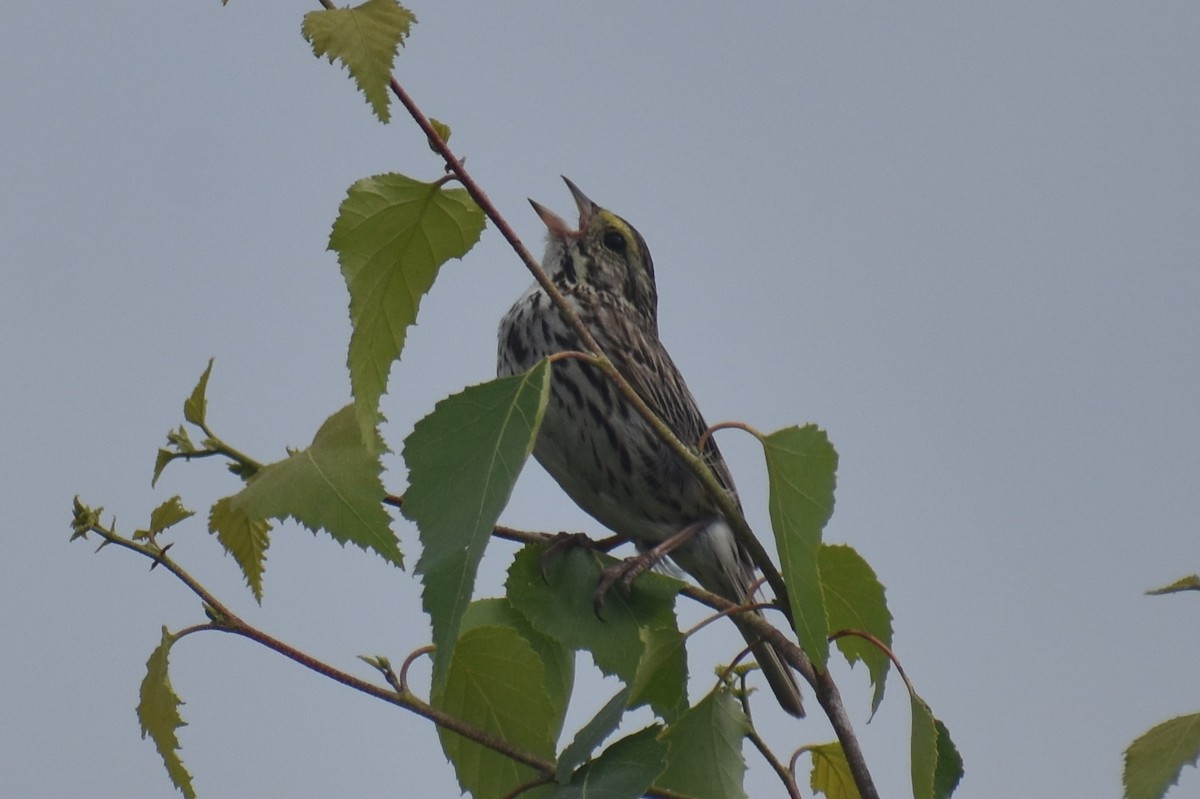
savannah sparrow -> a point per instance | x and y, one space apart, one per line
599 449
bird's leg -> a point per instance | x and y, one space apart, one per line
562 542
629 569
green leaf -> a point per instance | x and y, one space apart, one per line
168 514
365 39
1153 761
378 662
495 682
831 772
463 460
800 471
161 460
592 734
442 130
178 438
705 759
334 485
560 605
1189 583
854 600
165 515
949 764
923 748
661 679
158 713
558 660
625 770
243 537
936 765
196 406
392 235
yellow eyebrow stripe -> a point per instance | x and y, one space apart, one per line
614 221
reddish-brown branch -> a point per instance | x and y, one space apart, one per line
786 775
226 621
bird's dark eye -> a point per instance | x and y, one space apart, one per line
614 241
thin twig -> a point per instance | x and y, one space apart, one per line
227 622
831 701
788 778
785 776
726 672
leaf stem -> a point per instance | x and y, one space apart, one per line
528 786
881 646
727 426
401 683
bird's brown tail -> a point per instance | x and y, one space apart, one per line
779 675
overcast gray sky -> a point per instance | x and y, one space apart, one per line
964 240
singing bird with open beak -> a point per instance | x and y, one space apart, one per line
598 448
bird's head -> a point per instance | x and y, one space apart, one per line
605 252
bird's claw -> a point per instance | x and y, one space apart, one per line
621 575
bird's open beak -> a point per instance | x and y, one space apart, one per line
555 222
586 207
557 226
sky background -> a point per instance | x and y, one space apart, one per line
964 240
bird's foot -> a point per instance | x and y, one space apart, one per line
621 574
624 573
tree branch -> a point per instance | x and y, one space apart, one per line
786 775
226 621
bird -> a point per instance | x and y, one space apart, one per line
599 449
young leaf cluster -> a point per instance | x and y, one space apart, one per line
333 485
